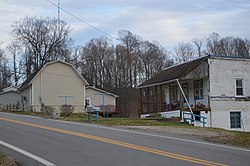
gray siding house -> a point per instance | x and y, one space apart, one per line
9 96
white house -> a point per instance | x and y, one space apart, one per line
216 88
100 98
56 84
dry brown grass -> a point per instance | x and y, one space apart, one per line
6 161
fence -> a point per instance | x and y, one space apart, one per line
10 107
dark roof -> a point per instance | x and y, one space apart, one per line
25 84
172 73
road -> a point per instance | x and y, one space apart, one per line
74 144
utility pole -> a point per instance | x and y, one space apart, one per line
58 14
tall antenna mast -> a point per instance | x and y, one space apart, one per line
58 15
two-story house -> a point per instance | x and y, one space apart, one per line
214 87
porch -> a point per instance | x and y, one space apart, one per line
184 95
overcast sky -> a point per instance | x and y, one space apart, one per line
165 21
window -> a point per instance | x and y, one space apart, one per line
239 86
88 102
235 119
185 90
198 89
173 92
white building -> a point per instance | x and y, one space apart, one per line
217 88
100 98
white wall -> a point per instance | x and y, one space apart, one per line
222 91
26 105
97 97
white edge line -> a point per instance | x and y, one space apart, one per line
30 116
155 135
45 162
141 133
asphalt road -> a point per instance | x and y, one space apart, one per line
75 144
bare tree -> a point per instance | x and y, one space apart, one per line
15 50
184 52
213 44
5 71
226 46
198 43
130 44
242 48
96 56
43 40
153 59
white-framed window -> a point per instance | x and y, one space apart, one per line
198 89
235 119
239 87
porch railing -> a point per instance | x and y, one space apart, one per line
193 118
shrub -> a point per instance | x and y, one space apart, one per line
49 111
66 110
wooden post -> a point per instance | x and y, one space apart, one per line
148 104
180 100
140 112
170 95
161 98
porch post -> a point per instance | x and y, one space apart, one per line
148 104
180 99
140 112
161 98
170 96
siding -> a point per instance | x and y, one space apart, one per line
59 79
97 100
9 98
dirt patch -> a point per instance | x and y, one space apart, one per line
6 161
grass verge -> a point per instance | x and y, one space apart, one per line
123 121
6 161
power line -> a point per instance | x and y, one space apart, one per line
59 7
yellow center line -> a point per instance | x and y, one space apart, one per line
121 143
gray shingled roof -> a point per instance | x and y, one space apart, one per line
172 73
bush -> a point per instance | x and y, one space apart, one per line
49 111
66 110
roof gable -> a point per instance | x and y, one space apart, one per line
173 72
102 91
29 80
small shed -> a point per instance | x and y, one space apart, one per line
9 97
101 98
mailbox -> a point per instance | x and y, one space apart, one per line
95 110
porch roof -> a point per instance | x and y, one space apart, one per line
173 73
